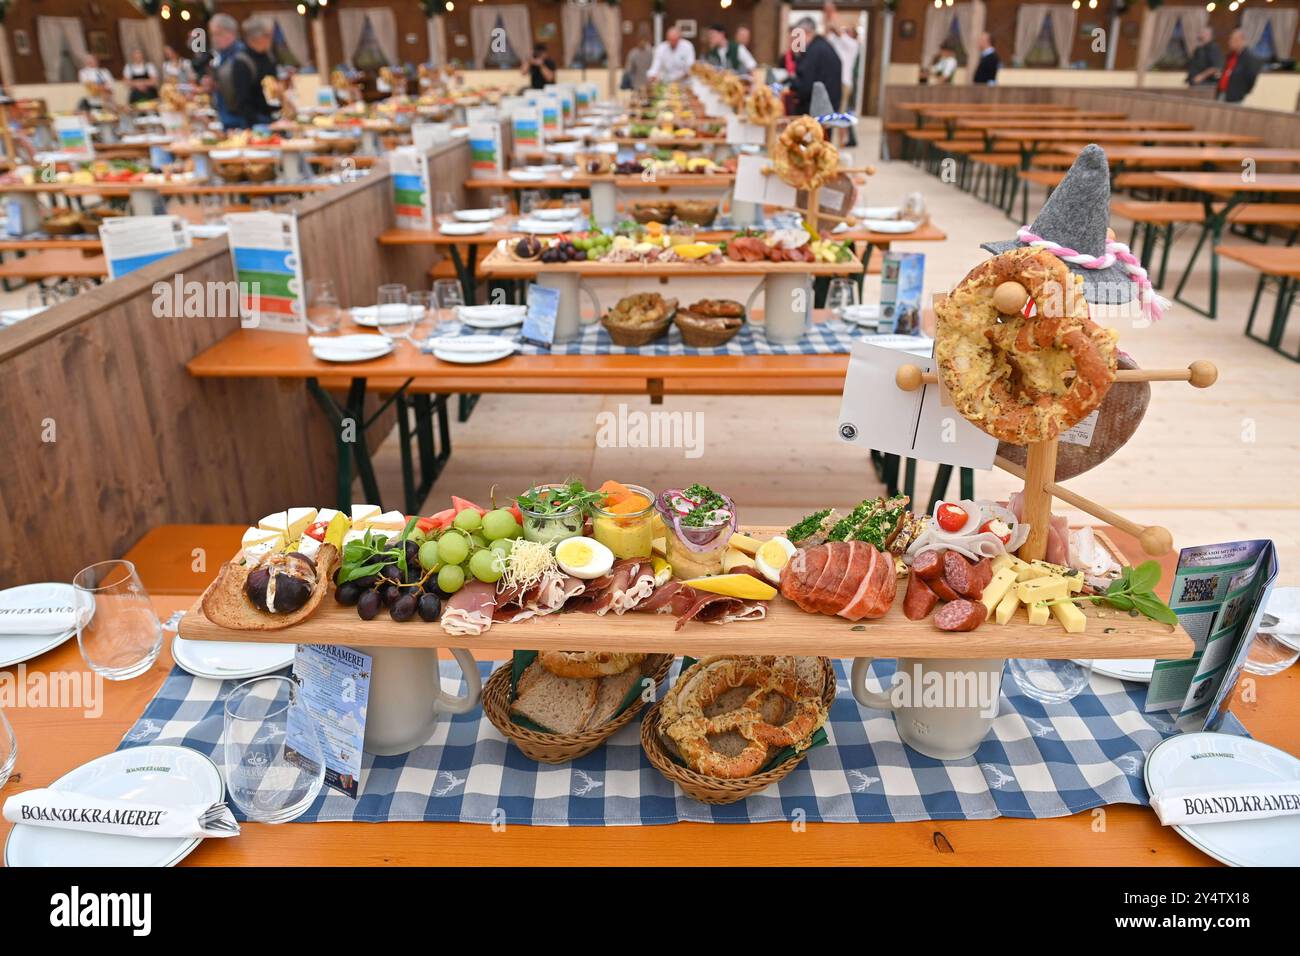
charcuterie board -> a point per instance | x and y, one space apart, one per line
786 630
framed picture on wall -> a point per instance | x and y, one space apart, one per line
688 28
22 43
906 29
97 43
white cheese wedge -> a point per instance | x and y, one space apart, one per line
326 515
256 536
308 546
362 515
1071 618
356 534
291 523
388 521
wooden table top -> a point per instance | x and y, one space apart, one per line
1271 260
88 244
1186 155
1233 182
1070 123
53 741
1156 136
584 181
70 263
500 266
167 189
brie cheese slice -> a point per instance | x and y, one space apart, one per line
362 515
290 523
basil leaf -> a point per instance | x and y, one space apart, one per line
362 571
1145 576
1154 608
1121 601
1118 586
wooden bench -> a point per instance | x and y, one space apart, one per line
55 264
1280 267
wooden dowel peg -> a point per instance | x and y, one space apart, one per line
1200 374
1037 508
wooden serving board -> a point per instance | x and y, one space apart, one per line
1111 634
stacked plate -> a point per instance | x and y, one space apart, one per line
373 316
50 624
492 316
478 215
349 348
223 660
158 775
472 349
545 227
565 214
464 228
867 314
525 176
889 225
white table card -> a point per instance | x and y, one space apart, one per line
132 242
335 682
759 187
268 269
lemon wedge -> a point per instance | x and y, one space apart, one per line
744 586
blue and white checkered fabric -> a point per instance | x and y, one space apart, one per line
1039 761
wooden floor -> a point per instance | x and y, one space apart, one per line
1213 465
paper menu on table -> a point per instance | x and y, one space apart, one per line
526 129
762 188
335 684
486 161
268 269
1219 594
741 133
877 414
132 242
73 134
411 189
425 136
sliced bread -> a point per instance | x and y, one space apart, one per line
609 695
562 705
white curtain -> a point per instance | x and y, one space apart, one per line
571 31
143 35
514 20
1063 32
1255 22
938 24
1158 29
53 35
352 24
1029 23
294 30
437 41
604 17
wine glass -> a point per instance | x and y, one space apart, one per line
444 207
323 314
8 749
424 305
449 297
213 208
529 199
117 629
841 294
273 760
392 314
498 202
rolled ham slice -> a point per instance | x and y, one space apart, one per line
470 610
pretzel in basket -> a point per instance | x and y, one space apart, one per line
689 718
1023 379
802 156
581 664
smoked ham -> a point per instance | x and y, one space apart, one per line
848 578
470 610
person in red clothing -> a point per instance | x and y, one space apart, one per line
1239 71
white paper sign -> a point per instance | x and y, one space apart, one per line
876 413
73 134
741 133
133 242
759 187
425 136
412 194
485 153
268 267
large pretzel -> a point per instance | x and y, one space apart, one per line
587 663
683 719
1021 379
762 106
802 156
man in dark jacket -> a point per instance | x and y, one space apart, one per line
259 38
1206 61
815 62
1240 70
232 78
986 70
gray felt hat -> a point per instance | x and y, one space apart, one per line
1076 216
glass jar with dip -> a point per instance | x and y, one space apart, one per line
626 525
698 529
549 523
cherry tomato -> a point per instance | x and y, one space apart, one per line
988 527
951 518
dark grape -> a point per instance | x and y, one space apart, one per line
430 607
403 609
412 553
347 593
368 605
368 582
389 593
392 572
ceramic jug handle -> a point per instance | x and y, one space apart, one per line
861 693
463 705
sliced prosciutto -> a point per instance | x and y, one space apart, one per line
546 596
848 578
629 582
688 604
470 610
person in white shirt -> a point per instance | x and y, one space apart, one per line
944 67
673 58
97 82
747 62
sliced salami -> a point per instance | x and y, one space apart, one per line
928 565
961 576
919 600
960 615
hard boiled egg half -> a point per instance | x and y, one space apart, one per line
772 556
584 558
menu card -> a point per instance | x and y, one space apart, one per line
1219 594
132 242
268 267
902 276
411 189
742 133
335 685
486 161
526 129
73 134
757 184
543 308
425 136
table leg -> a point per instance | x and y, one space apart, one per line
1211 229
349 440
942 475
465 271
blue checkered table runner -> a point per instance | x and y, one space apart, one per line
1040 761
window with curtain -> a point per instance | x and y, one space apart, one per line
281 51
1176 52
591 48
369 55
1266 49
1043 52
953 39
501 53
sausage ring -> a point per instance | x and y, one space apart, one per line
1019 379
801 155
688 719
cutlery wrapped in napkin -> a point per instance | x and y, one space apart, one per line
469 344
36 620
76 811
1180 806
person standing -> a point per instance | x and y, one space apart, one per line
1240 70
722 52
259 37
986 70
637 64
944 67
540 68
673 58
1206 62
141 78
176 69
747 62
232 75
98 84
815 61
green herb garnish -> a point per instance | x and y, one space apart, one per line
702 514
368 555
807 526
549 502
1133 591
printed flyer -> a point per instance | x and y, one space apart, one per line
411 191
335 683
526 128
132 242
268 267
486 161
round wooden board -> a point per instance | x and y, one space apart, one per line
1121 412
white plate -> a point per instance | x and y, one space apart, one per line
888 225
478 215
492 316
225 660
464 228
473 358
567 214
541 227
16 648
868 314
1207 759
1137 671
326 354
877 212
158 774
14 316
370 317
523 176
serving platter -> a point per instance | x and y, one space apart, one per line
785 630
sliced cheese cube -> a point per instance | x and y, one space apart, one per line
998 587
1072 575
1038 613
1032 572
1003 560
744 543
1042 589
388 521
1006 608
1071 617
326 515
733 558
363 514
291 523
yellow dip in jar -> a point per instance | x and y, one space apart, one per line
625 523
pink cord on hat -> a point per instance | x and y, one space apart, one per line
1153 305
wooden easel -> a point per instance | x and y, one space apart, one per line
1040 469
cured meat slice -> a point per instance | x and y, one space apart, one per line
470 610
919 600
827 586
878 589
928 565
851 579
960 615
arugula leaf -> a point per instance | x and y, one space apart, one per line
1145 576
1154 608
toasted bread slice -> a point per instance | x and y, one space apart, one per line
225 604
610 693
563 705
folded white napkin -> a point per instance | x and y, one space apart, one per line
36 620
470 343
76 811
348 343
1183 805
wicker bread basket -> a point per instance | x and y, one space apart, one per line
558 748
633 336
699 332
716 790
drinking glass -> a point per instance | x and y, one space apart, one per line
323 314
261 204
529 199
273 760
8 749
840 294
573 200
1050 681
444 207
392 314
214 209
913 207
450 297
117 629
499 202
425 308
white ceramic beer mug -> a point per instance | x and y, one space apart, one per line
406 696
942 708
